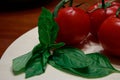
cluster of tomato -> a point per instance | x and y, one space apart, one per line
101 20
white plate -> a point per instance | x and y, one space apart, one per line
25 44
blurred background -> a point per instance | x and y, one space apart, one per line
21 4
19 16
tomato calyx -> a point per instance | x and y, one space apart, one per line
105 4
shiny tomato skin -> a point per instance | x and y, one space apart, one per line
96 18
109 35
74 25
98 15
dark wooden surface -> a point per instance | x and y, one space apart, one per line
13 23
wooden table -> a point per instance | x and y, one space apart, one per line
14 23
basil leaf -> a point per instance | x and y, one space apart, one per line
54 31
19 63
34 68
38 49
100 67
100 60
45 57
70 57
52 63
47 28
57 45
37 64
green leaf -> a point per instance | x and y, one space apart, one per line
47 28
53 32
70 57
38 49
45 57
34 68
100 67
19 63
57 45
37 64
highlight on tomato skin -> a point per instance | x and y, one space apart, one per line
74 25
98 14
109 35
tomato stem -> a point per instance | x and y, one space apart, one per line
103 4
71 3
59 5
118 12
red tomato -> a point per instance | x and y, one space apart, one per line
98 15
109 35
74 25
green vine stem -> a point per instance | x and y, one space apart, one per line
118 12
60 4
103 4
71 3
106 4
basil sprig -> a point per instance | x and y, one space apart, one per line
35 62
68 59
